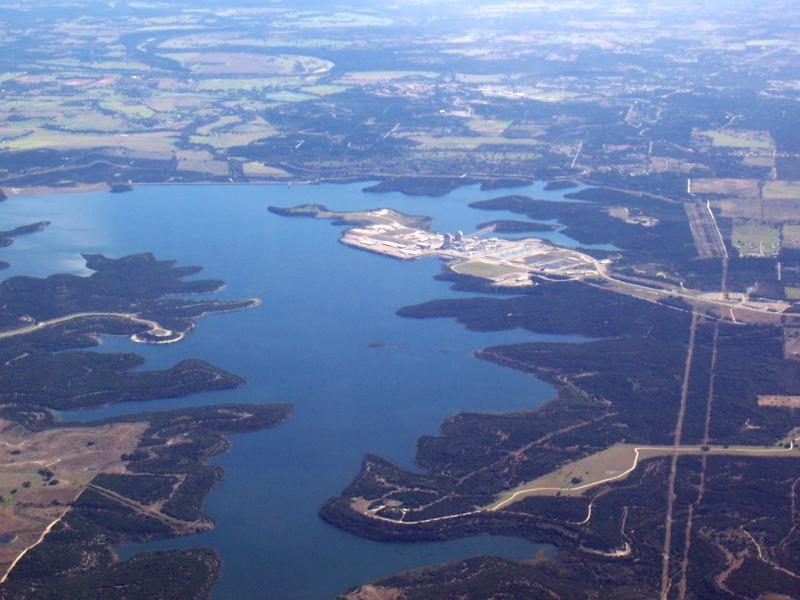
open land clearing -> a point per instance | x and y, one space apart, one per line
738 139
740 188
48 470
470 142
574 479
780 401
244 63
619 461
782 190
790 235
149 144
367 77
756 238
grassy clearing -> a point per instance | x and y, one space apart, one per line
528 92
238 135
91 121
740 188
755 238
151 143
614 463
488 126
759 161
218 124
68 454
476 268
791 235
738 139
234 63
324 90
320 20
215 40
173 102
290 96
470 142
363 77
782 190
129 109
201 161
234 84
481 78
257 169
781 210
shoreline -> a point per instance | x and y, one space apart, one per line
34 191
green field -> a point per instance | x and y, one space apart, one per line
324 90
218 124
157 143
129 109
222 136
721 139
759 161
234 84
471 142
488 126
357 77
290 96
756 238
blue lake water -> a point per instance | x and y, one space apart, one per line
308 344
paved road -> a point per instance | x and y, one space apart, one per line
42 324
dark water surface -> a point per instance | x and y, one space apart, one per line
307 344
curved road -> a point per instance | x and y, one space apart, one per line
155 329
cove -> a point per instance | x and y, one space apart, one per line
325 339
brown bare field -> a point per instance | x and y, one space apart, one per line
781 210
740 188
257 169
755 208
31 462
607 463
780 401
782 190
749 208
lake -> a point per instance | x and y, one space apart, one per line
325 339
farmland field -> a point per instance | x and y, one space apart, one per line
782 190
754 238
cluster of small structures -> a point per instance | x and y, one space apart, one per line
504 262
